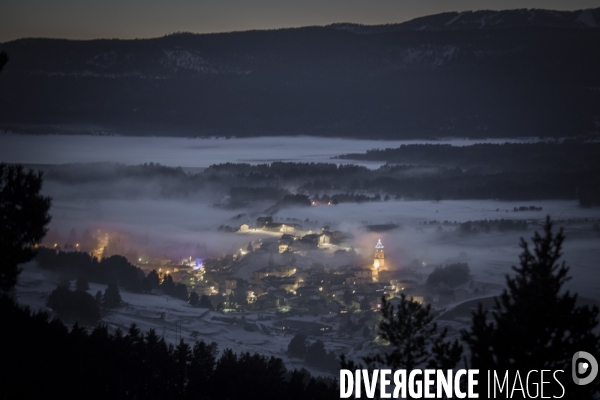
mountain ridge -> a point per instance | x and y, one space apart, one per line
489 19
531 78
585 18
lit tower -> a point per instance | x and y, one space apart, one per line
379 261
379 257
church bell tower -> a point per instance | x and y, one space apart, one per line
379 261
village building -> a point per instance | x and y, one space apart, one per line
244 228
309 242
325 238
290 228
286 283
285 242
250 296
285 270
353 280
365 273
262 273
307 291
267 301
283 228
301 277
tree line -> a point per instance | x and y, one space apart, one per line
566 155
75 265
426 179
313 353
43 358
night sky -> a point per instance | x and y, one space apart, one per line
87 19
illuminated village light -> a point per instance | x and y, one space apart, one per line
102 243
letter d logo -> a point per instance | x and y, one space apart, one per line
584 367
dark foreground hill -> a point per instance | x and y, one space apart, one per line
478 74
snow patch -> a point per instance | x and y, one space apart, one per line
453 20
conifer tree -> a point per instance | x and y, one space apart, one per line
74 306
194 299
180 292
112 297
167 285
201 368
23 217
205 302
151 281
297 346
414 339
535 324
182 355
82 284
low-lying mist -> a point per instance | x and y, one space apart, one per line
166 212
177 229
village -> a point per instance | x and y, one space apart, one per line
308 282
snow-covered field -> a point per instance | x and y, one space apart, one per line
175 319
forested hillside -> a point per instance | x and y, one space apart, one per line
482 74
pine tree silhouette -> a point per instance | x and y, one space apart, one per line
205 302
414 338
112 297
297 346
194 299
82 284
535 324
23 215
42 358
